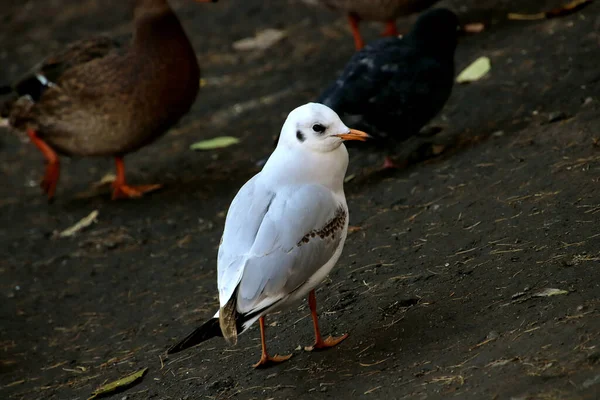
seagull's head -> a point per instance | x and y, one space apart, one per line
317 128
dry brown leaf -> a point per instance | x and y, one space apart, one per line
563 10
261 41
474 27
438 149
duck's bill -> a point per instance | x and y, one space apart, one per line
354 135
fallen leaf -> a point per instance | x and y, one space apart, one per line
82 224
349 178
501 362
477 70
15 383
526 17
568 8
105 180
98 187
118 385
565 9
474 27
261 41
437 149
550 292
215 143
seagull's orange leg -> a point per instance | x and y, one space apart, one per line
122 190
390 29
52 167
319 342
265 359
354 21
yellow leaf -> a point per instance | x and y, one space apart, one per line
477 70
349 178
550 292
565 9
82 224
215 143
118 384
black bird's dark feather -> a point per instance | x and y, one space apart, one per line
394 86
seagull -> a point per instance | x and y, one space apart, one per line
394 86
284 231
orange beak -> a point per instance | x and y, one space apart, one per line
354 135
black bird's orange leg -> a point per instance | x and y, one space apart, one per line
389 163
52 164
265 359
121 190
319 342
354 21
390 29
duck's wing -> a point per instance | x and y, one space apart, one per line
51 70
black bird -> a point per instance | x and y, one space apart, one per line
394 86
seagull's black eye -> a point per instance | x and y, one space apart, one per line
319 128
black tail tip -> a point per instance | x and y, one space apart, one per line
176 348
207 331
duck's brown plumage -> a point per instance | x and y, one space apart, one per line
100 99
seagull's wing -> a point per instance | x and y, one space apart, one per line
274 242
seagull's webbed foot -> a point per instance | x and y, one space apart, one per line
320 344
265 359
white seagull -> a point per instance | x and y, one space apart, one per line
285 230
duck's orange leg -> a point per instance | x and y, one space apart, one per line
390 29
52 164
265 359
319 342
121 190
354 22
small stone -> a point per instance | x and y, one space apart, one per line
492 335
557 116
591 382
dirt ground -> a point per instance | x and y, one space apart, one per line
446 288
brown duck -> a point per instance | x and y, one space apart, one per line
374 10
98 98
